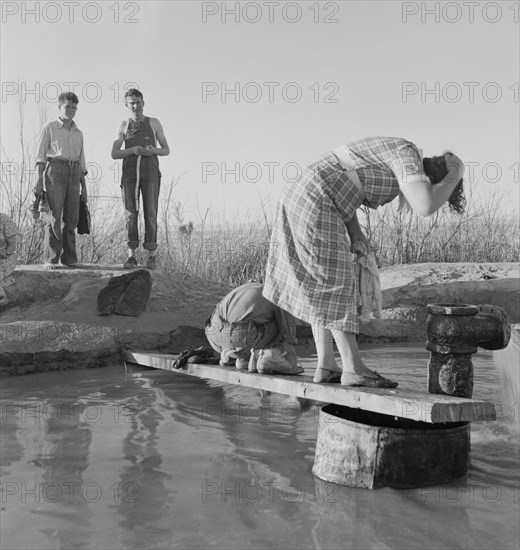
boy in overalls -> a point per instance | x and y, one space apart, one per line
141 174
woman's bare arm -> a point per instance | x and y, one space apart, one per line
426 198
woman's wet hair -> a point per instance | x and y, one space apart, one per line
436 169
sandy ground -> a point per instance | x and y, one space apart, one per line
70 295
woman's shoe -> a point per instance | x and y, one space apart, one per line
377 381
329 377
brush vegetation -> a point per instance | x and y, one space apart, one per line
236 251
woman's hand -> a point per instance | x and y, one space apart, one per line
360 237
355 233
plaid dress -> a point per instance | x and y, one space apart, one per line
310 270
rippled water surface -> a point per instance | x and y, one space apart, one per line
140 458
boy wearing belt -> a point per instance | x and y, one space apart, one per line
61 159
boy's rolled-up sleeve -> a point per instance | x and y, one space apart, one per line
43 145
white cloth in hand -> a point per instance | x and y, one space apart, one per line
369 297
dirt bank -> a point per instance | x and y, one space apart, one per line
51 321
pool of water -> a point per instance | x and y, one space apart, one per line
140 458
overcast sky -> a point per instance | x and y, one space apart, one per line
249 93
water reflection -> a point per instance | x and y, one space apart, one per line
188 463
52 437
141 478
507 362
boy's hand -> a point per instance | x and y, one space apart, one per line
38 188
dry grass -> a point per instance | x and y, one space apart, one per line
482 234
236 252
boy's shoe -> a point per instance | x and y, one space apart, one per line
130 263
151 263
227 357
253 360
272 361
72 264
242 364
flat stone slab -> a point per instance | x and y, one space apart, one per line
42 346
39 346
424 407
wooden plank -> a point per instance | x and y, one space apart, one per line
425 407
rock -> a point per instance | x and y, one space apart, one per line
125 294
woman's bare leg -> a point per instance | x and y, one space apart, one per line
324 346
349 351
355 372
